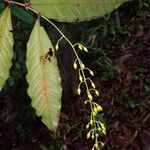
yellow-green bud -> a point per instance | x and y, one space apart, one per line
83 66
90 96
99 129
92 136
57 47
93 85
102 144
96 145
75 65
91 122
79 91
103 128
80 46
85 49
104 132
91 72
95 109
88 135
94 113
99 108
80 78
96 92
87 126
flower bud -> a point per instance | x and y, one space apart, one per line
75 65
91 122
96 92
94 113
104 132
96 145
91 72
99 108
80 46
102 144
56 47
88 135
83 66
90 96
80 78
85 49
99 129
95 109
87 126
93 85
79 91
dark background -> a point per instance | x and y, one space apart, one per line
119 55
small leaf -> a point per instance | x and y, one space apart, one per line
6 46
43 78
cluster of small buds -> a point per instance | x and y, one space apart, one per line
96 127
81 47
98 145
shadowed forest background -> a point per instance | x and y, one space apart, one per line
119 55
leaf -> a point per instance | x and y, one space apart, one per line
6 46
75 10
43 77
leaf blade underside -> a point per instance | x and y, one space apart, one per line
75 10
6 46
43 78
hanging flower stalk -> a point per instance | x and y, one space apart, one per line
95 128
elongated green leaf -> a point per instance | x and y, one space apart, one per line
6 46
43 77
72 10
